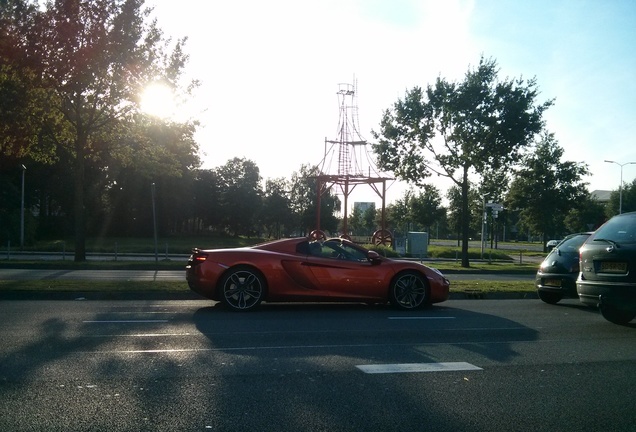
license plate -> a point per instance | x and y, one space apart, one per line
552 282
613 267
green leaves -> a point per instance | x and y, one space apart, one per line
545 188
455 129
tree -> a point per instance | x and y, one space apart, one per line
629 200
418 211
355 223
85 63
368 219
456 129
276 214
455 210
207 197
426 207
545 188
397 216
587 215
241 195
304 196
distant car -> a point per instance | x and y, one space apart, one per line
557 274
302 269
552 243
608 269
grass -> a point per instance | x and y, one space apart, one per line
128 245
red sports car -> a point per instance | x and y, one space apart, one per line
301 269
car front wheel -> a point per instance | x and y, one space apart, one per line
242 289
617 316
550 297
409 290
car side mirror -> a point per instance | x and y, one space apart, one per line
373 256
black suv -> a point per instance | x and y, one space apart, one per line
608 269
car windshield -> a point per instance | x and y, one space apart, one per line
620 229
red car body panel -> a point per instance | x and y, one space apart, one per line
292 274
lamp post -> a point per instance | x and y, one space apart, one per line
22 209
483 224
154 220
620 187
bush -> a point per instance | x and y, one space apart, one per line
473 253
385 251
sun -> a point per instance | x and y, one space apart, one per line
158 100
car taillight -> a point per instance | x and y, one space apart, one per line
198 256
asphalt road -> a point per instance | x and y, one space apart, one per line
463 365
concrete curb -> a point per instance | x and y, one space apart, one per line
186 295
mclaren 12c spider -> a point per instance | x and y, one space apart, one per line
302 269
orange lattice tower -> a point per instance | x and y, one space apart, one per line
347 163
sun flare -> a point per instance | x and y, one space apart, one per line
158 100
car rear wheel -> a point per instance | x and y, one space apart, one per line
617 316
409 290
550 297
242 289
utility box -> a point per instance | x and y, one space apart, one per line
417 244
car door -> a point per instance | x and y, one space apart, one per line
346 275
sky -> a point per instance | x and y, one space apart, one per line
270 71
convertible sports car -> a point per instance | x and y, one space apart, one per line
301 269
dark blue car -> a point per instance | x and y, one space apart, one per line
559 270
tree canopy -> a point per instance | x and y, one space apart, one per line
457 129
73 71
545 188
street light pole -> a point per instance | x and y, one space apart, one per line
22 209
620 187
483 224
154 220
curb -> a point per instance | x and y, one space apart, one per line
185 295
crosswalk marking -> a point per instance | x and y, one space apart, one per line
417 367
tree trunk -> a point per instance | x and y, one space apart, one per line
78 205
465 219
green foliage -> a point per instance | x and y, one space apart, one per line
474 253
304 197
385 251
545 188
452 129
587 214
475 210
629 200
71 73
241 196
276 214
362 223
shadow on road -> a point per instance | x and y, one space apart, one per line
299 362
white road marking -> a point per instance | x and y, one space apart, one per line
417 367
418 318
127 321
